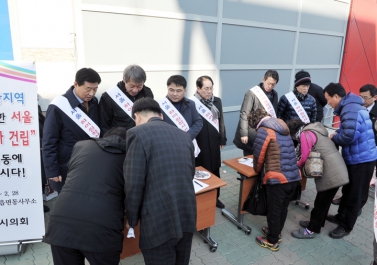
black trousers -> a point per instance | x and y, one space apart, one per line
278 198
322 205
175 251
355 193
65 256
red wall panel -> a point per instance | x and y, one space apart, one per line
359 65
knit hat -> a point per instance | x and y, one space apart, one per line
302 77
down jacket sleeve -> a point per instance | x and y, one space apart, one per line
348 128
260 149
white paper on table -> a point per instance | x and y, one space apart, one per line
246 161
198 185
131 233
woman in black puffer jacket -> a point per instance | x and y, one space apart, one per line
285 110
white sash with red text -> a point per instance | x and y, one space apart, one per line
298 107
266 103
78 116
121 99
177 119
205 112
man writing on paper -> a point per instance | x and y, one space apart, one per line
158 172
70 118
87 220
116 103
261 96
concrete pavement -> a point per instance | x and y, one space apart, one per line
237 248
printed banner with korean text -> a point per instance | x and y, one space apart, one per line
21 203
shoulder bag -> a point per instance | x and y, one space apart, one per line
313 167
256 202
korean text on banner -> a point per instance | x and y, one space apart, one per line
21 204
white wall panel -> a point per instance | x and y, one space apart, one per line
199 7
127 39
271 11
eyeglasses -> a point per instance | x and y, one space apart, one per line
365 97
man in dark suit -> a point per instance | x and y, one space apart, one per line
61 130
158 171
132 86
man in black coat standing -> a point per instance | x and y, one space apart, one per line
130 88
70 118
212 136
87 220
159 169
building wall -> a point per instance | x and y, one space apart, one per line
233 41
360 53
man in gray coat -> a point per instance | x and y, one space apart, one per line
245 136
158 172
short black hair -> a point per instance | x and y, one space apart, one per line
146 104
294 125
271 73
88 75
369 87
199 81
118 131
178 80
335 88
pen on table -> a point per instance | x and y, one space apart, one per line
198 184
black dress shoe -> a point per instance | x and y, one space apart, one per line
338 233
333 219
336 201
359 213
46 209
219 204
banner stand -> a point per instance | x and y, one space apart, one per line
10 248
21 200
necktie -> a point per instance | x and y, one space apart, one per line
86 104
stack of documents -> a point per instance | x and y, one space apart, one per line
198 185
246 161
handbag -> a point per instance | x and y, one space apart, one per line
256 201
313 167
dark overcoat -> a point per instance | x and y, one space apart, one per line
111 115
159 169
192 117
89 212
209 141
60 134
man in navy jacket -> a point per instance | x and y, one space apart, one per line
61 133
356 137
176 94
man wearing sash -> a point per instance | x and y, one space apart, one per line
261 96
176 105
212 137
116 103
298 104
70 118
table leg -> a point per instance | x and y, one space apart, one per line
239 220
205 234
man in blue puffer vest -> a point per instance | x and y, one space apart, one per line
355 136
